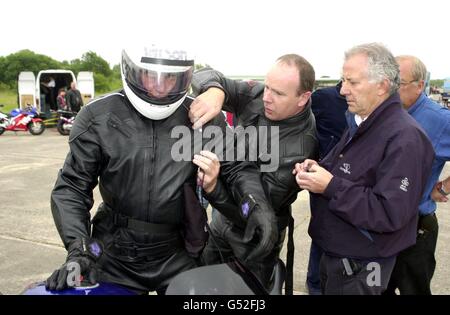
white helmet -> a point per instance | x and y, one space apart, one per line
155 80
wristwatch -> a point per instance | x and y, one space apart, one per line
440 188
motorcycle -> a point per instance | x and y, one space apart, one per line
231 278
226 278
22 120
102 288
65 121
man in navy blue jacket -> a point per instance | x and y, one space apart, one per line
367 189
329 108
415 266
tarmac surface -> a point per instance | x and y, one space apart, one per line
30 247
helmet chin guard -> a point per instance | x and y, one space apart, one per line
149 110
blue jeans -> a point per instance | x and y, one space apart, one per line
313 275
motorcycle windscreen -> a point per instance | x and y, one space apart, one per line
223 279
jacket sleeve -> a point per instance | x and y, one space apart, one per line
79 98
233 186
69 99
239 178
281 186
221 200
237 93
442 146
393 200
72 195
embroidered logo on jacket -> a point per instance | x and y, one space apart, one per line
405 184
345 168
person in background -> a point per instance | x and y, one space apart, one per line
283 104
51 84
61 99
415 265
329 108
366 191
73 98
47 95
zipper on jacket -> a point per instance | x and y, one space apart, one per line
118 125
145 180
151 169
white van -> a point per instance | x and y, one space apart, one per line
31 89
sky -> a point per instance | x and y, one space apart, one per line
236 37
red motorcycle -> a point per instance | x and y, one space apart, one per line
22 120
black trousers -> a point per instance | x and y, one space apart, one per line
141 262
415 265
143 275
347 276
226 244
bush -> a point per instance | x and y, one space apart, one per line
4 87
8 98
105 85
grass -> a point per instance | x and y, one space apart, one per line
9 99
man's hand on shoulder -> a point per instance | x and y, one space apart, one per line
206 106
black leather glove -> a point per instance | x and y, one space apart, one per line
79 267
261 223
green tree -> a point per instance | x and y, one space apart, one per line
104 84
101 82
438 82
116 71
90 61
24 60
2 69
106 79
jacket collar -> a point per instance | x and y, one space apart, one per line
294 120
389 106
418 104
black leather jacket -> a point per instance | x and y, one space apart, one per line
130 157
297 140
74 100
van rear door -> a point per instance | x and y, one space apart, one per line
85 83
27 89
447 85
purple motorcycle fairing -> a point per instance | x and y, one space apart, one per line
17 111
102 288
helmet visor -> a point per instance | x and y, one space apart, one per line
158 81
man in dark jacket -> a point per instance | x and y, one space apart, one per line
73 98
282 104
367 189
329 108
124 142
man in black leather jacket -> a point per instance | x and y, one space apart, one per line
73 98
282 103
124 143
